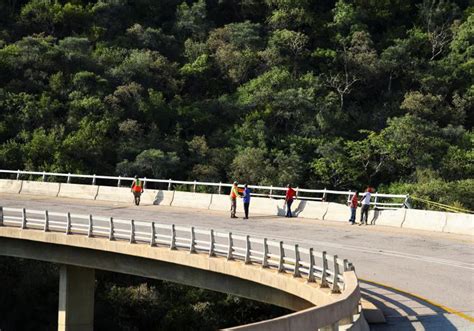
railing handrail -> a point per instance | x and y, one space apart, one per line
64 221
324 192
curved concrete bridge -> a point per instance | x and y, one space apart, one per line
287 276
421 279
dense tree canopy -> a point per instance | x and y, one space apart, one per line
317 93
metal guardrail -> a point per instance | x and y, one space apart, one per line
378 199
301 262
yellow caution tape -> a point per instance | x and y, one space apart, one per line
440 205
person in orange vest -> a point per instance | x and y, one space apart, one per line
234 194
137 189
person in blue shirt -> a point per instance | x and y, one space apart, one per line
246 198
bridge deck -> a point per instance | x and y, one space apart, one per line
436 266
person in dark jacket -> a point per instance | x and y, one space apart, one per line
246 200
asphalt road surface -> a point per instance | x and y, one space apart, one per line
421 280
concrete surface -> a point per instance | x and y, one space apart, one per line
77 191
188 199
310 209
387 217
436 266
459 223
76 298
424 220
337 212
40 188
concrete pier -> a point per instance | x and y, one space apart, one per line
76 299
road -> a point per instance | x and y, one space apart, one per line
421 280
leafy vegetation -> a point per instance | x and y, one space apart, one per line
29 301
318 93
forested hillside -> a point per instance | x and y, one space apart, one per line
316 93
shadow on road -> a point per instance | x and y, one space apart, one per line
403 311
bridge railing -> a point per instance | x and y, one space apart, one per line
379 200
301 262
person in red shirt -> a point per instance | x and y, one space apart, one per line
290 196
353 205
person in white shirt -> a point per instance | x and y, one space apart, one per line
365 201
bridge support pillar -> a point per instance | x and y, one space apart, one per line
76 299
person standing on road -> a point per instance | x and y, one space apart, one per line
364 212
246 199
137 189
353 205
234 194
290 196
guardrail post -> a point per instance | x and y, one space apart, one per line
169 184
230 247
324 195
212 242
281 267
311 278
349 197
69 178
1 216
296 272
297 189
173 237
91 224
111 228
68 223
192 249
132 231
247 250
119 181
44 176
335 283
265 254
324 281
375 200
93 179
23 219
18 174
220 187
46 221
405 202
153 234
194 187
144 182
271 191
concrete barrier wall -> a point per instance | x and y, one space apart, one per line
387 217
424 220
407 218
10 186
265 206
310 209
459 223
117 194
157 197
77 191
221 202
40 188
191 200
337 212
